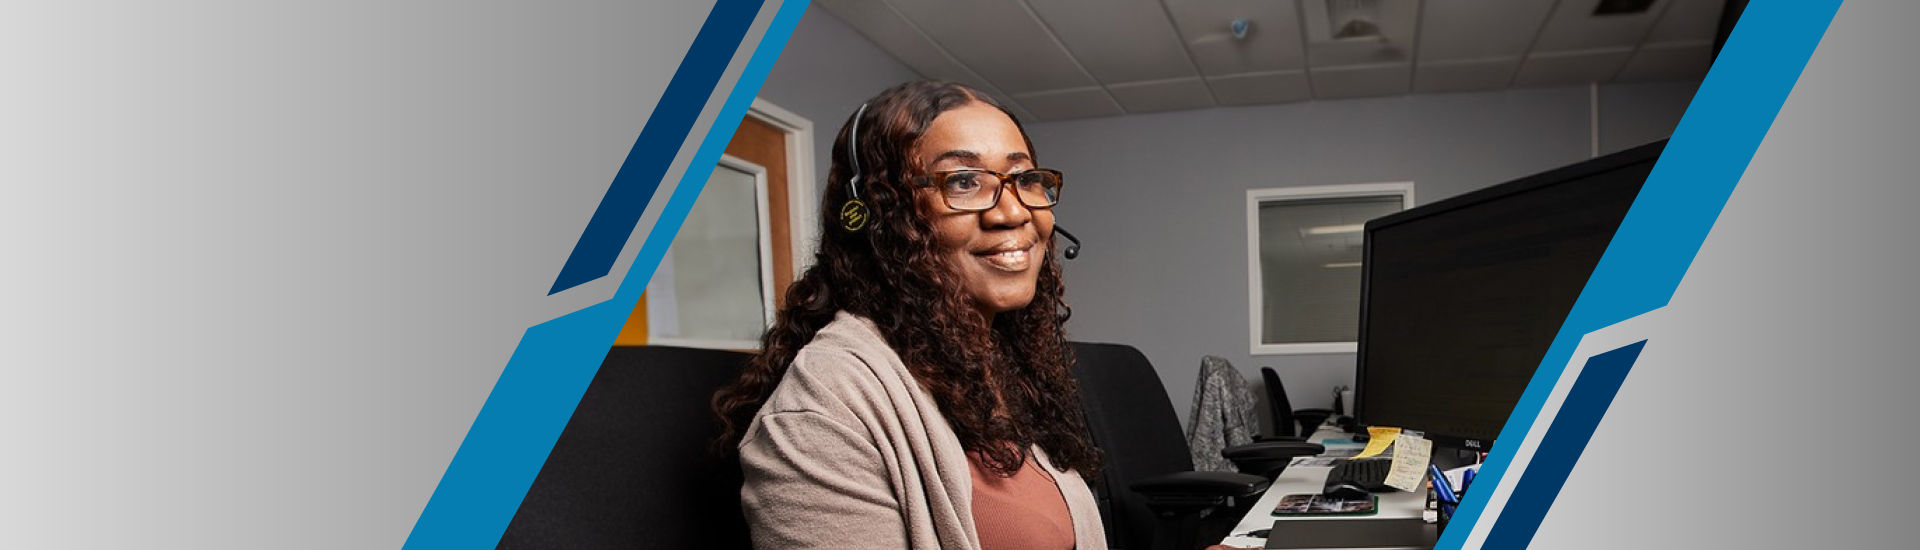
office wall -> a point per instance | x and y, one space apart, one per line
1633 114
1160 199
825 72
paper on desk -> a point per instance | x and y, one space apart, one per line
1381 438
1457 476
1315 461
1411 453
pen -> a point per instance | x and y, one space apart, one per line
1440 486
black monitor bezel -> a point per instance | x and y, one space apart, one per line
1567 174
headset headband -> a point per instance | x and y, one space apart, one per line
853 213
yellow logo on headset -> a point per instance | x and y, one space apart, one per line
853 215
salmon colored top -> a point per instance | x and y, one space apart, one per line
1023 512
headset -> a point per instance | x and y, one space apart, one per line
853 213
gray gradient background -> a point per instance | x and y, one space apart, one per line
1786 361
263 263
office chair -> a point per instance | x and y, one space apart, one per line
1285 417
632 468
1149 495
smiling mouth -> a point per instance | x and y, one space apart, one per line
1008 259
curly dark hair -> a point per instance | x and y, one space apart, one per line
892 273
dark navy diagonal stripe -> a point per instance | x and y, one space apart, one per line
1586 404
659 141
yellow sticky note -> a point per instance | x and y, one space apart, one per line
1379 438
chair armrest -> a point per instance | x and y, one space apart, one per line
1268 458
1203 485
1181 499
1311 419
1279 448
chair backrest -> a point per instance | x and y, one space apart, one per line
1278 403
1133 423
632 468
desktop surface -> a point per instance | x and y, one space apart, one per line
1399 505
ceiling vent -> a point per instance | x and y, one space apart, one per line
1622 7
1343 20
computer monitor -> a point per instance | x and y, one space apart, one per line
1460 299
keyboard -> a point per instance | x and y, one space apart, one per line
1370 473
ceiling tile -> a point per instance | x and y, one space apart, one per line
1118 40
1396 20
1162 95
1345 82
1455 30
1273 35
1260 88
893 34
1680 61
1000 40
1562 68
1464 76
1688 21
1064 104
1573 26
1019 111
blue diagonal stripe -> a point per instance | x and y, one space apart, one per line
606 233
1729 116
550 370
1586 404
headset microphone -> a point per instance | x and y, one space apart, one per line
1073 247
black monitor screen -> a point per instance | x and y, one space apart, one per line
1460 299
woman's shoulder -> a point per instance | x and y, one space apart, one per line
846 365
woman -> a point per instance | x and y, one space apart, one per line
914 391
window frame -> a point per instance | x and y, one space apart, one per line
761 205
1257 295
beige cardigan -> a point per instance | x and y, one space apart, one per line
850 452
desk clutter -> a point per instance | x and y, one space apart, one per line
1380 489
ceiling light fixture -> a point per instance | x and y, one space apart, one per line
1336 229
1341 265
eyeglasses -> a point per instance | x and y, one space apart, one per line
977 190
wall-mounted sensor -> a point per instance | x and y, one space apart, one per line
1239 27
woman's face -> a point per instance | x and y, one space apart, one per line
997 252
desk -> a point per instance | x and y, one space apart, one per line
1311 479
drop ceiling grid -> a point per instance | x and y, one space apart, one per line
1652 26
965 74
1455 31
1187 50
1060 59
1055 37
1205 28
1532 44
1001 40
1573 27
1688 21
1132 40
